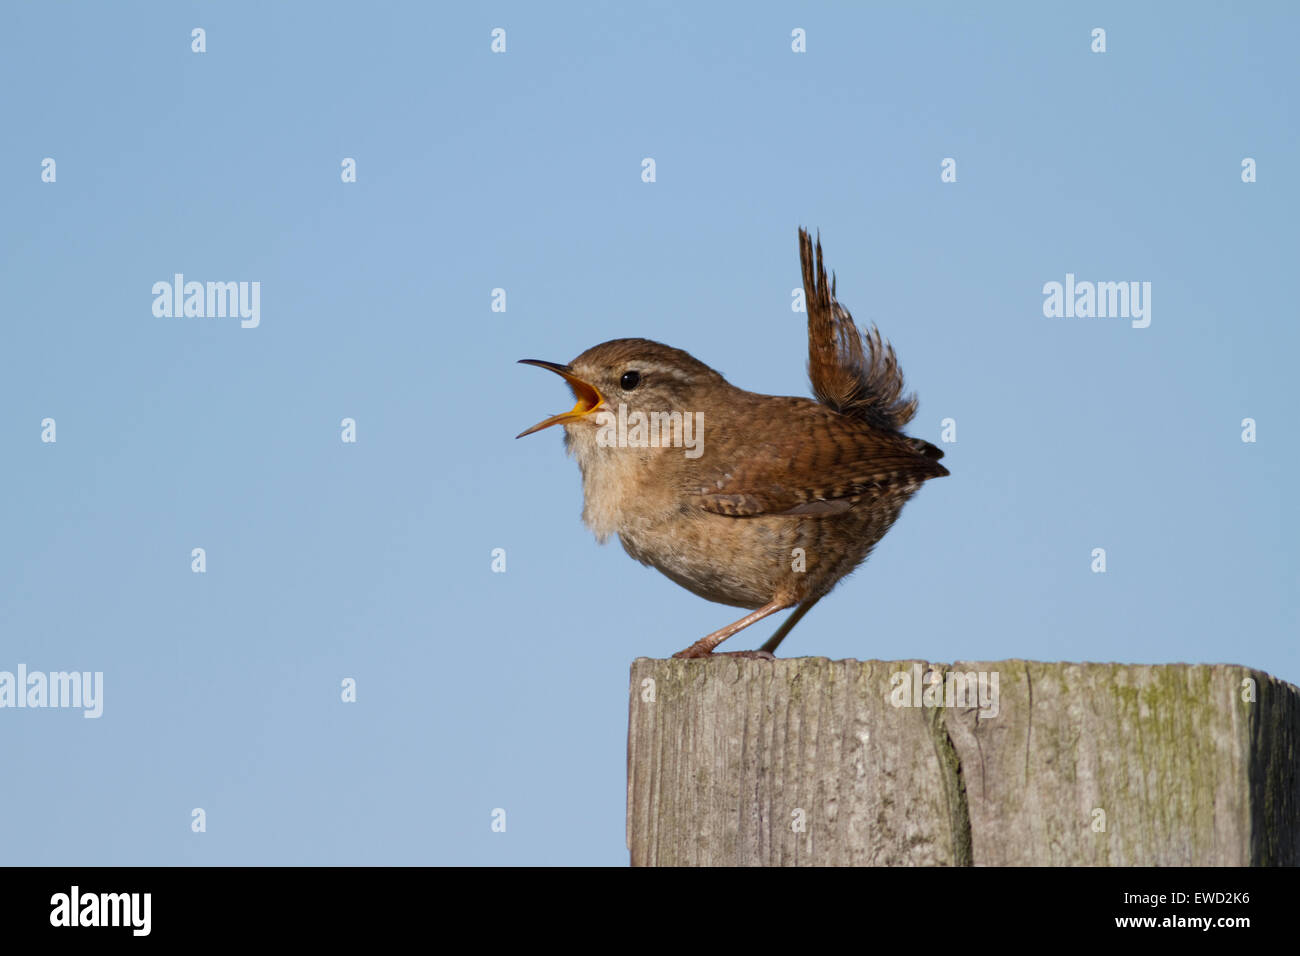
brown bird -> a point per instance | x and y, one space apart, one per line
756 501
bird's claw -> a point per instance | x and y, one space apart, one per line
692 653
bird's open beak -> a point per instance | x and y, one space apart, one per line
588 398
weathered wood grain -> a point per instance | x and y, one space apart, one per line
808 761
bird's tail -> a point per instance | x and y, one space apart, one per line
857 375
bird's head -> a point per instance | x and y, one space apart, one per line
638 374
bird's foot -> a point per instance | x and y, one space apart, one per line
693 652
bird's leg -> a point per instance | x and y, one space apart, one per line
705 645
790 622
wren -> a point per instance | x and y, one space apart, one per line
756 501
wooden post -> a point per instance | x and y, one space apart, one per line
808 761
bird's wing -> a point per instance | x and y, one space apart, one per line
814 463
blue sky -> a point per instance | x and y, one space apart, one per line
372 560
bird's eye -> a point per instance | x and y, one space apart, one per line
630 380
